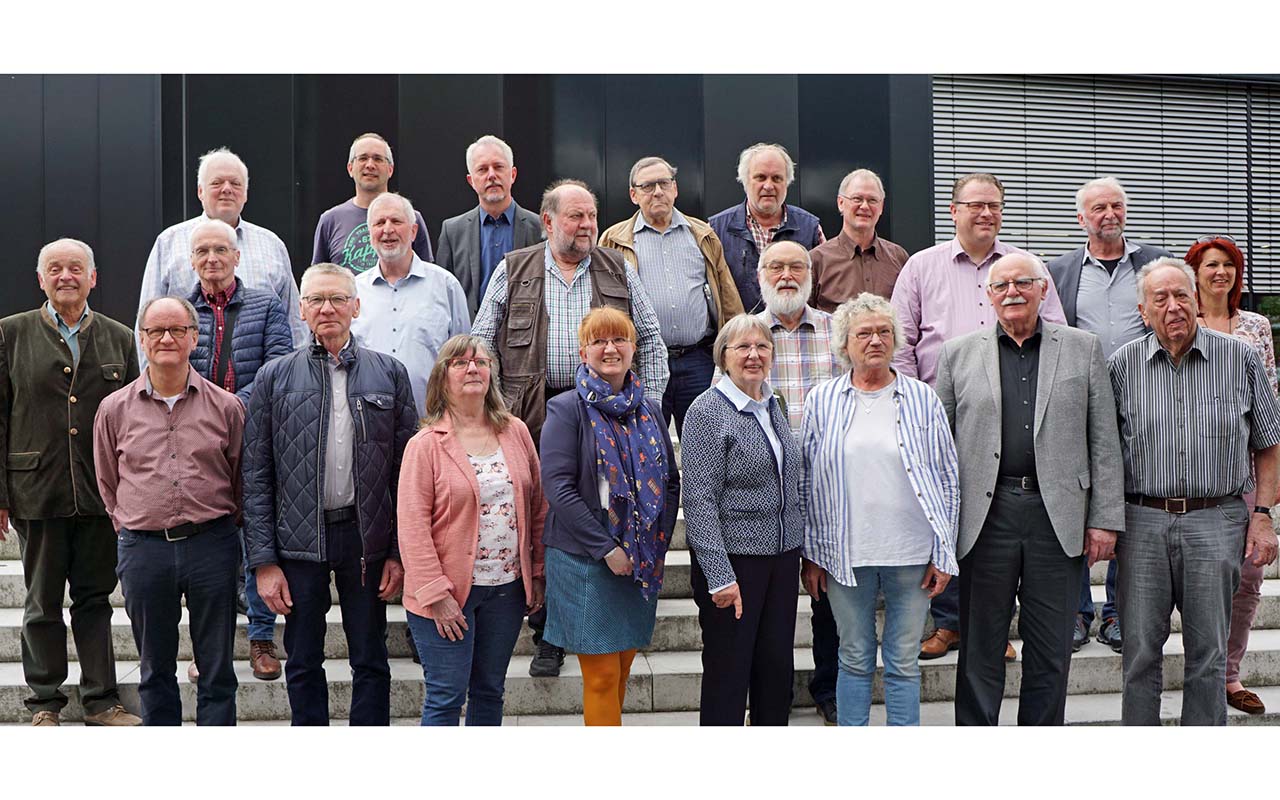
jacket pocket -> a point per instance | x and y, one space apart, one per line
20 462
520 324
374 416
613 297
113 373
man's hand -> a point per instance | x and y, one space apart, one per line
729 596
449 619
1260 541
273 588
619 562
935 580
392 579
4 522
539 595
1099 545
813 577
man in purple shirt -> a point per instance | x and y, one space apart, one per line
941 294
167 452
342 235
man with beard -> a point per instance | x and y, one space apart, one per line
681 263
342 235
529 319
410 307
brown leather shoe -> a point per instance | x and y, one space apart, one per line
939 643
46 719
193 672
262 657
1009 653
114 717
1246 701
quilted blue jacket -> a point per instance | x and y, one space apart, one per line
261 332
285 434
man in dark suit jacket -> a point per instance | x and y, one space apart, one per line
472 244
1098 288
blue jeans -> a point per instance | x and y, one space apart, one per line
691 375
155 574
1192 562
906 608
1086 595
262 620
473 668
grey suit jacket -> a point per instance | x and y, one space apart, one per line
1066 269
458 248
1077 442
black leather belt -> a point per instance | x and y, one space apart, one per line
187 529
339 515
677 352
1027 484
1178 505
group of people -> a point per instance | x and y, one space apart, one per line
483 432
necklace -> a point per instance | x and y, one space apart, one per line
868 399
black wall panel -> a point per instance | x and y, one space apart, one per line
526 126
578 129
22 200
740 110
911 160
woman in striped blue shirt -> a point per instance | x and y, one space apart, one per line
882 499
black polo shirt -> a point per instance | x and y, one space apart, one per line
1019 367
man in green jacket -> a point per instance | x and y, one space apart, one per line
57 363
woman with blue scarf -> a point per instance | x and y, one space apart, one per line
613 488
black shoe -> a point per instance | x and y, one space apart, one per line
546 661
1079 637
827 710
1109 634
413 647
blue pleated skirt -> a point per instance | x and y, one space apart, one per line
592 611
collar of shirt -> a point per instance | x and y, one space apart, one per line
239 226
1002 334
149 390
509 213
751 220
417 269
677 220
998 248
330 359
1129 249
855 249
740 399
63 326
1154 346
805 319
552 266
221 298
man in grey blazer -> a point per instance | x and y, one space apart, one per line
472 244
1097 284
1034 419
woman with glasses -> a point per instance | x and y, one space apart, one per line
1219 267
743 516
613 489
470 520
882 500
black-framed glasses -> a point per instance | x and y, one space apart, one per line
618 342
976 206
177 332
648 186
461 362
1022 284
1214 237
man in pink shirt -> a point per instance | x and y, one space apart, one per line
941 294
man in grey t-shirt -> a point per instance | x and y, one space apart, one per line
342 236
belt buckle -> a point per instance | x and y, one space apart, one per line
1026 484
169 538
1170 500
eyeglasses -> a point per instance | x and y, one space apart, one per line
976 206
884 334
1022 284
177 332
1215 237
375 158
778 267
857 200
763 348
618 342
315 302
461 362
648 186
203 252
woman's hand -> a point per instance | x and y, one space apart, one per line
619 562
449 619
729 596
539 595
813 577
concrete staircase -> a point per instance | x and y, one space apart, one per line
665 679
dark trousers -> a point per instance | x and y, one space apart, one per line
364 621
1087 609
752 658
155 575
691 374
80 551
1017 553
945 608
826 650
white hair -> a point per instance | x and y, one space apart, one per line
744 161
326 268
351 154
853 309
861 173
220 154
1018 258
1107 182
182 301
405 205
808 260
1159 263
492 141
221 227
47 251
740 325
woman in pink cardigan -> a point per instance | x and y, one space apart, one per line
469 517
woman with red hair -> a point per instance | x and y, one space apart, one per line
1219 267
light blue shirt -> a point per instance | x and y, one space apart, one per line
674 272
411 319
69 332
1107 303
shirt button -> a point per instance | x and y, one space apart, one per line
173 455
73 431
175 483
72 398
67 370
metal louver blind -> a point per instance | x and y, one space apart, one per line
1196 157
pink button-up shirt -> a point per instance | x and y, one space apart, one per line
160 468
941 294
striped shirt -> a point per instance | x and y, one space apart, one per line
264 264
567 304
673 271
802 359
928 454
1186 430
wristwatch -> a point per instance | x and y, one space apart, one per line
1262 510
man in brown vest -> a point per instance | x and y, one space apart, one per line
529 317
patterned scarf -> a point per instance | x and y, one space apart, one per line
632 457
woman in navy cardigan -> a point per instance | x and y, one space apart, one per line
613 489
744 523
